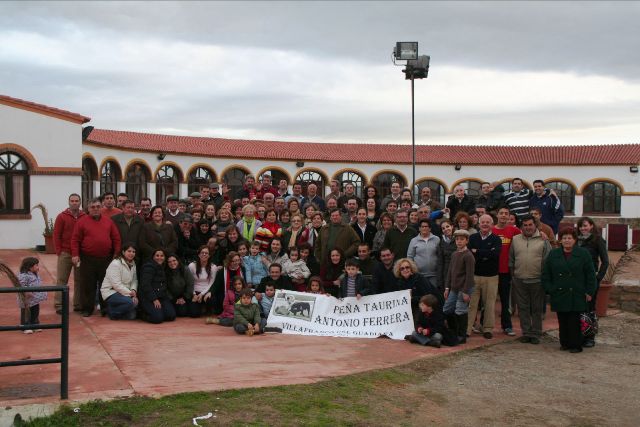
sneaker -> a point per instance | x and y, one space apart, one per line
249 332
27 331
211 321
510 332
589 343
37 330
487 335
535 340
524 339
476 329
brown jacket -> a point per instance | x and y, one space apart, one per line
347 240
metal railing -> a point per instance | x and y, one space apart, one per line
64 336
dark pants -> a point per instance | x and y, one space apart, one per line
91 274
120 307
241 329
30 316
569 325
530 299
159 315
226 321
208 307
504 290
188 309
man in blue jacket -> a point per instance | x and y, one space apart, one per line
549 204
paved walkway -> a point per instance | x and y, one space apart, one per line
121 358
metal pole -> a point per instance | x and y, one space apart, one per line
64 344
413 141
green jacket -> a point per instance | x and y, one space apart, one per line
569 281
245 314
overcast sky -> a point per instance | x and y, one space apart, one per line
508 73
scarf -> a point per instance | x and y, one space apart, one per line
248 229
229 275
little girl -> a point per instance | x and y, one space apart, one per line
230 300
296 269
30 306
315 286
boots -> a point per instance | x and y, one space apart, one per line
461 323
452 324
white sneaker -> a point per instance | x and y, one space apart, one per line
38 330
27 331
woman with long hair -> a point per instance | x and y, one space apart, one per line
332 270
224 278
180 288
120 285
154 299
203 272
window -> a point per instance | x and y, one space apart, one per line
383 182
353 177
109 177
167 182
234 178
507 186
311 177
437 190
199 177
473 188
276 176
566 194
89 176
14 184
602 197
136 184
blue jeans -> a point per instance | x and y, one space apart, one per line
455 303
120 307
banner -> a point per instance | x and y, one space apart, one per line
370 317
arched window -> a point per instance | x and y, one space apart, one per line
89 176
383 182
109 177
311 177
472 188
355 178
276 176
198 177
14 184
167 183
437 190
566 194
137 177
234 178
601 197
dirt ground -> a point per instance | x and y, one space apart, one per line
523 384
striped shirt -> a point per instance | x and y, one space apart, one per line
518 203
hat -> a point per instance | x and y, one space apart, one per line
464 233
195 194
187 218
213 185
185 201
172 198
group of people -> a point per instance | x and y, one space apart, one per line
223 259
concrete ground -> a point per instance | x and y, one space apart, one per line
121 358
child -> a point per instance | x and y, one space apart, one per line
254 267
459 285
353 284
246 318
30 305
296 269
430 324
315 286
230 300
267 299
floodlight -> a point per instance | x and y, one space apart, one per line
406 50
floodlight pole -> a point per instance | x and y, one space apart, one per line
413 140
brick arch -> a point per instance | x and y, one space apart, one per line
460 181
393 171
320 172
609 180
114 160
143 162
434 179
195 166
564 180
174 165
279 169
89 156
23 152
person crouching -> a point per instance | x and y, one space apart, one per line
246 317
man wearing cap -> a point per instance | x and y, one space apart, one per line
195 197
214 195
173 214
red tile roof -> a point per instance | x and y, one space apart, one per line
368 153
43 109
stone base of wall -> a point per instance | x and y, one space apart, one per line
625 293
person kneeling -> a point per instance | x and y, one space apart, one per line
430 324
246 317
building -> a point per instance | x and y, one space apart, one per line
601 181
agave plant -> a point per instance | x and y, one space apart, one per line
48 222
4 268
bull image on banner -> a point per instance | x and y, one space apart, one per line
370 317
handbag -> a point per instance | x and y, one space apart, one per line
589 324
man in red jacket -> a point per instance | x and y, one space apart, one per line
62 231
94 242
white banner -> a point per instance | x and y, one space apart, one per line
370 317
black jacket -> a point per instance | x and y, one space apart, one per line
368 235
129 233
419 287
434 321
467 204
362 286
153 282
383 280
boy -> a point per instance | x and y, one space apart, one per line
460 286
267 299
430 324
353 284
254 267
246 317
